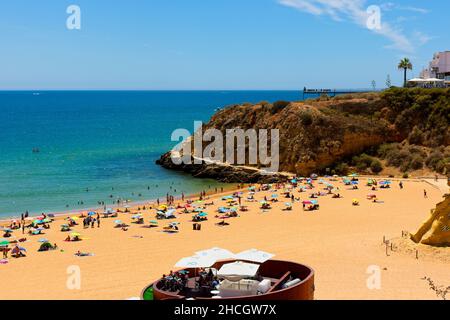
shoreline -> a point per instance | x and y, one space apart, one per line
59 214
64 214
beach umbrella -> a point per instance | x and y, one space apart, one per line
355 182
223 210
43 240
227 197
307 202
274 196
238 270
118 222
217 254
195 262
153 222
198 210
38 222
202 214
254 255
314 202
4 243
74 218
136 216
288 204
75 234
162 207
92 213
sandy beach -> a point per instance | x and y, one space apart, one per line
339 242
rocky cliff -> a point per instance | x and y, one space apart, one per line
317 134
435 230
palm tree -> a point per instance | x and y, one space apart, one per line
406 65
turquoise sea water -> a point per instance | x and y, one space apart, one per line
99 140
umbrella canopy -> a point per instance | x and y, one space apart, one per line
92 213
4 243
254 255
203 214
274 195
118 222
195 262
43 240
153 222
75 234
136 216
216 254
288 204
355 182
162 207
238 270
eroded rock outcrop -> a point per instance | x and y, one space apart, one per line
435 230
313 136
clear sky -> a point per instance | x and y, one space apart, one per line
215 44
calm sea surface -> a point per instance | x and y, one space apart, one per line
105 142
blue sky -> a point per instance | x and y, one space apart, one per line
215 44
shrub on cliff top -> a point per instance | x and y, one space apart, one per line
306 118
279 105
376 166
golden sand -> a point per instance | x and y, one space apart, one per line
339 242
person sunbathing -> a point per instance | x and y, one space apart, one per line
82 254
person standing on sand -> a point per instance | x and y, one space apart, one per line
425 193
401 185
